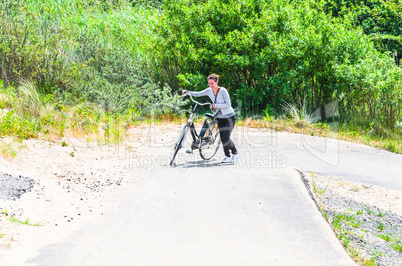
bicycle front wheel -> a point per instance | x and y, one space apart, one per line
180 142
210 142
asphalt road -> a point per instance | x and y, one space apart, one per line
350 161
257 212
217 216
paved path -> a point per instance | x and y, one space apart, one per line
257 212
217 216
354 162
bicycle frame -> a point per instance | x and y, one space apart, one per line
190 121
198 142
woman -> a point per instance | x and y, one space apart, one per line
223 111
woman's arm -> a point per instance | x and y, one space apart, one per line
197 93
227 103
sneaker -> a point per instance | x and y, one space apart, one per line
226 159
234 158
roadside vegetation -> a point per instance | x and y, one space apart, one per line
6 236
23 222
371 235
94 68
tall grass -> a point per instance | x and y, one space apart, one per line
31 114
299 113
80 51
29 99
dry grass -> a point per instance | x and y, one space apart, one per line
6 236
81 122
9 147
168 118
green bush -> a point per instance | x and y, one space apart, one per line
266 52
12 124
131 57
371 90
380 20
272 52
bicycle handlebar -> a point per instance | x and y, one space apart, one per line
207 103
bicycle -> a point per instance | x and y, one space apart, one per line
207 142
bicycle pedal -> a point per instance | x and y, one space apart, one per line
189 151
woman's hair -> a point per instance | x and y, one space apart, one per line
214 77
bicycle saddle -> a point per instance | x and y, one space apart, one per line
209 115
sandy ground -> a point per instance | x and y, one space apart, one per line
76 182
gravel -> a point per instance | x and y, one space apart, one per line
12 187
371 234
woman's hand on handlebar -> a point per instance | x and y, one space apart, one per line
184 92
213 106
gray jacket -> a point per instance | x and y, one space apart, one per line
222 100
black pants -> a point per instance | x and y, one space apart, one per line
226 126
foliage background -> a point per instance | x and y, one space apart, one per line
133 57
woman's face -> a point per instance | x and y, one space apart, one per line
212 83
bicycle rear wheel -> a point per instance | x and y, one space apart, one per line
180 142
211 141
